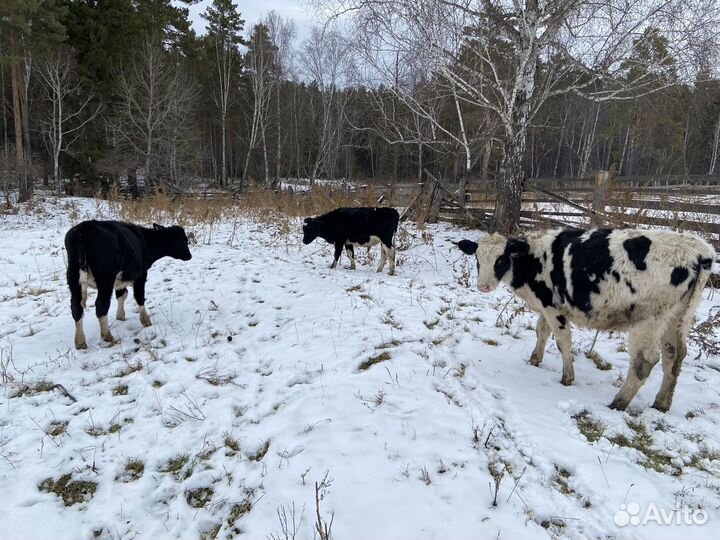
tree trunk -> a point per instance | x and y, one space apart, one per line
715 148
6 141
624 150
223 163
278 141
486 159
297 133
560 143
588 146
251 143
265 155
18 94
510 184
147 161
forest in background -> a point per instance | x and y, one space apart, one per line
93 90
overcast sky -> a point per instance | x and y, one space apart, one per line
253 10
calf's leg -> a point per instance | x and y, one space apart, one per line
102 306
351 255
338 252
563 338
644 354
673 353
77 307
383 257
139 294
121 295
542 329
387 253
674 347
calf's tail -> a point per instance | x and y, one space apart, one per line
76 260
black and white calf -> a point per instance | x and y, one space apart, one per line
112 255
646 282
356 227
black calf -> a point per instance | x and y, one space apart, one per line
109 255
350 227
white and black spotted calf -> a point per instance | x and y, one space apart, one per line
356 227
646 282
112 255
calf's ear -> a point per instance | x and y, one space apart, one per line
517 246
468 247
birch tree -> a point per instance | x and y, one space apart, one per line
326 59
510 57
151 91
260 68
224 32
70 109
282 34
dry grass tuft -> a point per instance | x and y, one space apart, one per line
128 369
176 466
55 429
367 364
642 441
598 360
133 470
238 510
592 429
70 491
257 456
34 389
199 497
232 445
120 390
703 334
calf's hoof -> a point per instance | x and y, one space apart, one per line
109 338
661 406
534 360
80 345
120 317
567 380
145 320
618 404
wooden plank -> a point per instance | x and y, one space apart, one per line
669 206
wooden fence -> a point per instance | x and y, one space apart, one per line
687 203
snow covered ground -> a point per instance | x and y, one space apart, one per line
408 400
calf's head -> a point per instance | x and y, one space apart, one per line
494 255
311 230
174 241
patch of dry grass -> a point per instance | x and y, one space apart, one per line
367 364
199 497
176 466
257 456
132 470
592 429
70 491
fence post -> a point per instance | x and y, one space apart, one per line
600 191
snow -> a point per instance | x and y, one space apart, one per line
251 372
